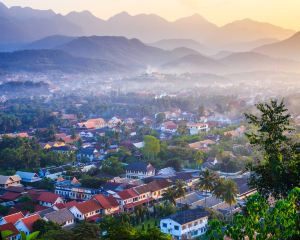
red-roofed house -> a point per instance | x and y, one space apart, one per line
68 205
109 204
25 224
12 218
86 210
127 197
10 196
10 227
48 199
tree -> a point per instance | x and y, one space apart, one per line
112 166
59 235
31 236
92 182
44 226
199 156
259 220
170 196
86 231
160 117
152 234
207 181
151 148
230 192
279 170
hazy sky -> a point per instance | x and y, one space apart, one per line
284 13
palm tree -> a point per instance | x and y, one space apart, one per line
230 192
218 189
31 236
170 196
180 188
207 180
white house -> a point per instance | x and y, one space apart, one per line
62 217
196 128
86 210
25 224
48 199
188 224
139 170
8 181
28 176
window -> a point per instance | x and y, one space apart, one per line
176 227
165 225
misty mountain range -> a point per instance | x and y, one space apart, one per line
24 25
82 43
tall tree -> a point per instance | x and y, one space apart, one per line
279 170
151 148
207 180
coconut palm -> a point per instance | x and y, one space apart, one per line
219 189
230 192
170 196
180 188
207 180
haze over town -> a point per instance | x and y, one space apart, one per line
130 119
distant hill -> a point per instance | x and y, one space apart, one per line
289 48
249 61
49 42
54 60
170 44
248 30
193 63
23 25
116 49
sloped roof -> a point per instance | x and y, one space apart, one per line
60 217
10 196
139 166
9 227
128 193
188 215
106 202
88 206
5 179
48 197
13 218
30 220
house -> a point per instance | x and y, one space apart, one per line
196 128
202 145
62 217
8 181
53 173
127 199
87 153
14 232
95 123
71 189
109 204
28 177
48 199
88 210
25 224
12 218
158 187
169 127
236 133
9 198
187 224
139 170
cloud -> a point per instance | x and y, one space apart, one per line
192 4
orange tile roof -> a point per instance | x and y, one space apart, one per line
88 206
30 220
13 218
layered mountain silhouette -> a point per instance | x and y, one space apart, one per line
119 55
289 48
24 25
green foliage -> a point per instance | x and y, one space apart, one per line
92 182
262 221
44 226
279 169
151 148
86 231
19 153
112 166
